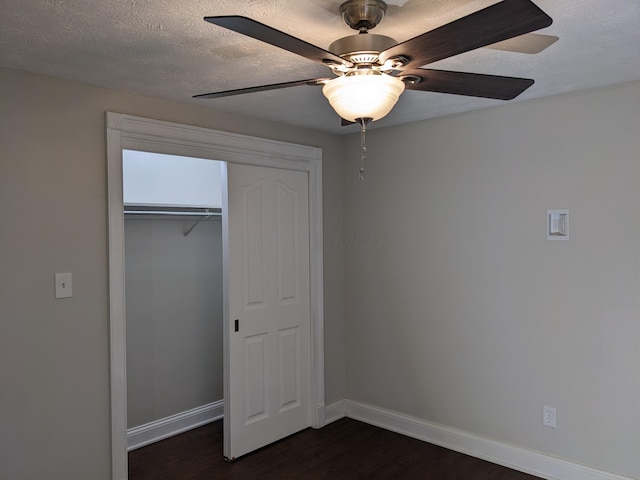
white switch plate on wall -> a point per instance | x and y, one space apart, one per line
63 285
558 224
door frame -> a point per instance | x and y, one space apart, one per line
137 133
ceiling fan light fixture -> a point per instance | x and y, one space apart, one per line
363 94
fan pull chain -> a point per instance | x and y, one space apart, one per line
363 145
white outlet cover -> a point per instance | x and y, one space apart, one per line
549 416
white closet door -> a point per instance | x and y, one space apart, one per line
267 392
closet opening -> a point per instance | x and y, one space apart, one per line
173 294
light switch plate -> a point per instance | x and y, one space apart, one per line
558 224
63 285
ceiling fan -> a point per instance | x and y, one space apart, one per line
370 71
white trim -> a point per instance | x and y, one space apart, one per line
516 458
319 420
316 287
226 373
117 328
335 411
136 133
173 425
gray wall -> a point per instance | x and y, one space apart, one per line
174 316
54 354
458 309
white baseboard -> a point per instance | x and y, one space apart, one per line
334 412
516 458
167 427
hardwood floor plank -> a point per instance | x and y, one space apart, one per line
343 450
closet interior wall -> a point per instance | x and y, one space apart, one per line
173 314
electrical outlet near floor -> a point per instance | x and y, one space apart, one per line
549 416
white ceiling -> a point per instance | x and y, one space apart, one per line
164 48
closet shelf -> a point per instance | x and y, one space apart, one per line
204 213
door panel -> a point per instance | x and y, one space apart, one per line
267 395
288 373
255 378
253 229
287 248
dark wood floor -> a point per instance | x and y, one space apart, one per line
346 449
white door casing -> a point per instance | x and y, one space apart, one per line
136 133
267 256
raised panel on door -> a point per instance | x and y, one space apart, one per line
287 253
255 378
288 369
254 247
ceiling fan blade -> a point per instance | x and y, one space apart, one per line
262 88
277 38
530 43
469 84
493 24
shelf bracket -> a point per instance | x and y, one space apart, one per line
190 229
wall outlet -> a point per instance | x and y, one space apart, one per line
549 416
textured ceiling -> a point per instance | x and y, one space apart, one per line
163 48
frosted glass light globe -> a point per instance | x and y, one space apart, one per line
363 95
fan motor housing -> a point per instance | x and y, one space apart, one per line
361 48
